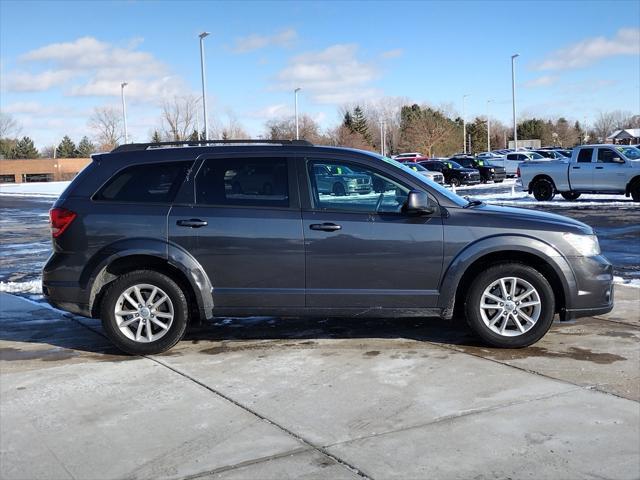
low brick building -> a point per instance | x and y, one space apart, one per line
40 169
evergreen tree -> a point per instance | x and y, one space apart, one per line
25 149
85 148
359 123
348 121
66 149
156 137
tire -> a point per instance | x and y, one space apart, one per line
570 195
455 181
508 334
338 190
125 337
543 190
635 191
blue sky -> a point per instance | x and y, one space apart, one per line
62 59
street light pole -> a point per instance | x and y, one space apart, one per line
488 128
124 110
204 82
513 96
295 95
382 137
464 126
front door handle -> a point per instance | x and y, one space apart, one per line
325 227
576 168
599 168
192 222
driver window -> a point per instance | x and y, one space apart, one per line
606 155
351 187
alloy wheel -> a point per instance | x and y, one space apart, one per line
144 313
510 306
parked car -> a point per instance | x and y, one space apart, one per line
591 169
552 154
488 171
411 156
454 173
434 176
341 180
149 238
489 156
513 160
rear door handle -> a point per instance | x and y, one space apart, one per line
192 222
325 227
576 168
599 168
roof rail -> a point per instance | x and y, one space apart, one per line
137 147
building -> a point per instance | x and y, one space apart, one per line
628 136
40 169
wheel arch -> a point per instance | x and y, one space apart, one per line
500 249
157 256
541 176
634 180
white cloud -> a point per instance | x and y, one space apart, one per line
272 111
334 75
395 53
544 81
90 67
285 38
589 51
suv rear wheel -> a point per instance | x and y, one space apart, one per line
510 305
635 191
570 195
543 190
144 312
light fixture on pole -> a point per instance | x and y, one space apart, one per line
464 126
513 96
295 95
204 82
124 110
488 127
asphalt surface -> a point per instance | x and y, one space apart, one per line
25 237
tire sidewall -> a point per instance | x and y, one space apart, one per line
180 307
526 273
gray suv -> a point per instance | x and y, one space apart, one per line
150 237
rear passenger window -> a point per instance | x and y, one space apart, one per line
585 155
148 183
258 182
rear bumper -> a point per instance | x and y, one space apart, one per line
594 295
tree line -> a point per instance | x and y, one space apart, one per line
402 125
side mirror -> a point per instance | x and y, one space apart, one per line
617 160
418 203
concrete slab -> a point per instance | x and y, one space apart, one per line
581 434
589 352
333 390
301 466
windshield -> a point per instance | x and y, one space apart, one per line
416 167
461 202
452 164
632 153
536 156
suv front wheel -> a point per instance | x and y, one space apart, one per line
510 305
144 312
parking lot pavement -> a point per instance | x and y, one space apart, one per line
334 398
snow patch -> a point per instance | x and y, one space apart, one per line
627 282
32 286
35 189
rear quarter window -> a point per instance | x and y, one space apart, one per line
148 183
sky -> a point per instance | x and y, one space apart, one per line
60 60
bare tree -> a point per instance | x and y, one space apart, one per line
179 117
423 127
8 126
608 122
106 122
285 129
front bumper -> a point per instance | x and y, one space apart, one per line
594 294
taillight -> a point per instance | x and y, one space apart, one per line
60 219
518 172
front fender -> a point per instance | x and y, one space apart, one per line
503 243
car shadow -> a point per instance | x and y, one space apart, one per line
85 336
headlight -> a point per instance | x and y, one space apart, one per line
492 170
585 245
352 181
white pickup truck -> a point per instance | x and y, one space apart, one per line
591 169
